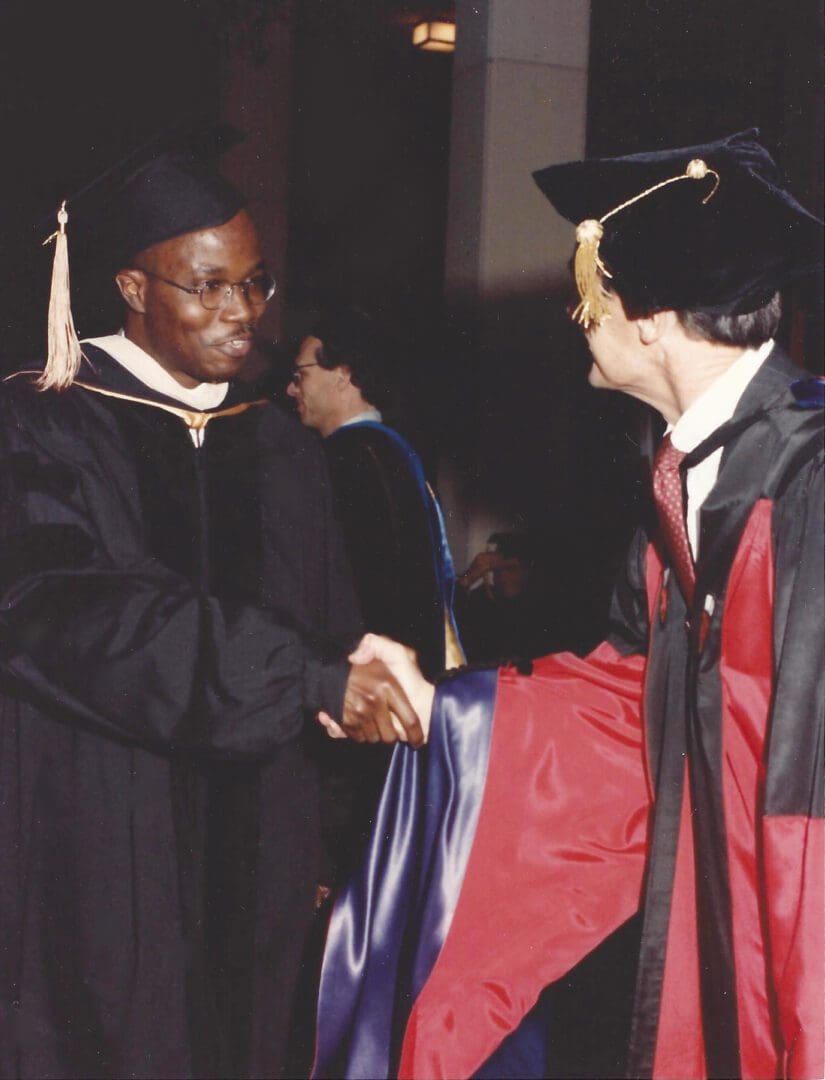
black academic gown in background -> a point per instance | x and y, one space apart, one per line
387 524
168 619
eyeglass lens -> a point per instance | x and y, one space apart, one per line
257 290
297 375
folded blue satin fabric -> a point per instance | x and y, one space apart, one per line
390 922
809 393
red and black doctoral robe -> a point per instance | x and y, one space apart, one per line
677 768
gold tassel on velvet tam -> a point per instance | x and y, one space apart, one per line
588 266
64 355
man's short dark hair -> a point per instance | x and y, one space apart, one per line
747 331
351 337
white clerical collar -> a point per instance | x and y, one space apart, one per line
718 403
145 368
359 418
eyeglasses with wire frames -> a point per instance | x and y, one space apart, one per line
296 376
217 294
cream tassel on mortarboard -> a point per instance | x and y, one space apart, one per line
588 266
64 355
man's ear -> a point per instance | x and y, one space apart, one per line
132 285
344 373
652 328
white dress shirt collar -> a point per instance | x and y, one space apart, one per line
718 403
359 418
712 409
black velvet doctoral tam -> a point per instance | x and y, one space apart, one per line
690 245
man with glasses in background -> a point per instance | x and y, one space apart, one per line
391 523
176 606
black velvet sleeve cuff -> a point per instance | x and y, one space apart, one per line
324 684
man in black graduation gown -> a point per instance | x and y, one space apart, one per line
678 768
393 538
175 604
391 524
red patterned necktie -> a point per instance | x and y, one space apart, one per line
667 494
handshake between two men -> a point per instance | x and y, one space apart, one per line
386 699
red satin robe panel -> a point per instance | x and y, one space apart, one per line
558 856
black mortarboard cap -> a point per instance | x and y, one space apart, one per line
175 194
707 227
166 191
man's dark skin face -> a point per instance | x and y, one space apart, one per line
194 345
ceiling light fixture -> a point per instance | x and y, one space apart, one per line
434 36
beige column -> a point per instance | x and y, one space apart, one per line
519 103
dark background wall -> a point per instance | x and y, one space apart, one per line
81 86
368 185
671 72
370 141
